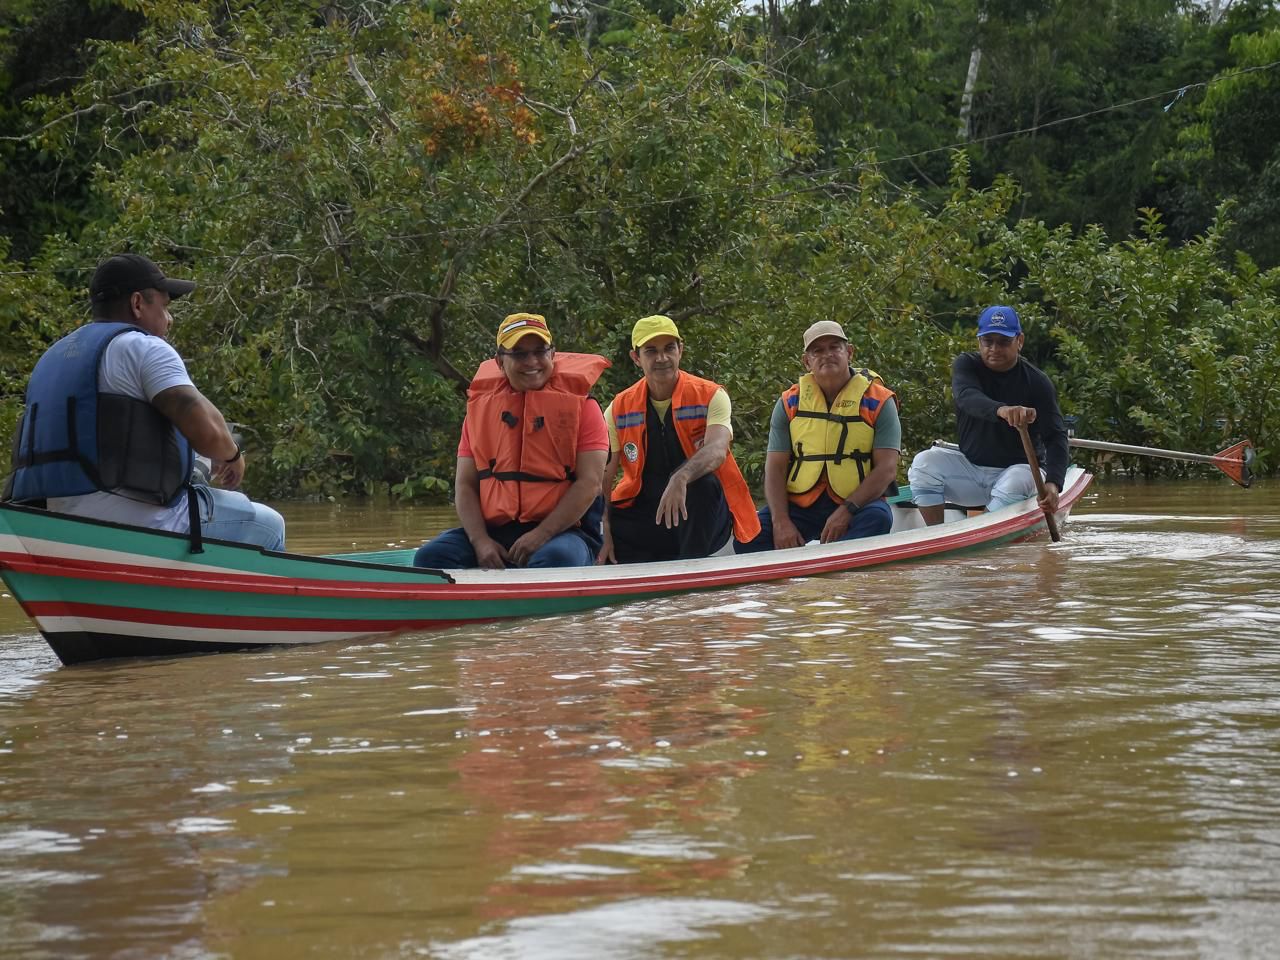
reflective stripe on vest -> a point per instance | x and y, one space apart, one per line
835 440
689 404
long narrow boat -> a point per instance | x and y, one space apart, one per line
99 590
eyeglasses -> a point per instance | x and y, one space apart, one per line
992 341
520 356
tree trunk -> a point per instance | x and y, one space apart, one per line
970 82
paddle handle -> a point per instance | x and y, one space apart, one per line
1143 451
1034 463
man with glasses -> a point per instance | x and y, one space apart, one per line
533 449
681 494
995 391
833 451
112 418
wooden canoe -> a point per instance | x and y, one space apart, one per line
99 590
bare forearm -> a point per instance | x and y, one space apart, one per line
706 459
883 472
571 506
775 485
610 477
466 501
198 420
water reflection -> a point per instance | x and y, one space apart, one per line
586 737
1046 750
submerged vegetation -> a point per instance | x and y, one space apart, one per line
362 190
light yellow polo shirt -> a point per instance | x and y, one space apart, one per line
719 413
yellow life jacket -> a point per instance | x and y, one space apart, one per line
835 441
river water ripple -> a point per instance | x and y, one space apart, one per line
1045 751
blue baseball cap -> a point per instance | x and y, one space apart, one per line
1001 320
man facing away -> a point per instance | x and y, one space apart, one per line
533 449
112 419
995 390
681 494
833 450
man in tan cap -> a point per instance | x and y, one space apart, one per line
681 494
834 441
527 485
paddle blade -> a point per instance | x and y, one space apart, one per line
1236 462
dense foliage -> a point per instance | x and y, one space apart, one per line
363 189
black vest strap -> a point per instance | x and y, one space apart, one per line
838 457
489 473
195 539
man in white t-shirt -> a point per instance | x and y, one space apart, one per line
112 420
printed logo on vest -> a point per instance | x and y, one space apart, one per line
631 452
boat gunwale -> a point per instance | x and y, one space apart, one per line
661 577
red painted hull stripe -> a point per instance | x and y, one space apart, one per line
227 621
788 565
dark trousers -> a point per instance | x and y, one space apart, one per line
638 539
872 520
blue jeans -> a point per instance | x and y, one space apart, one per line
452 550
873 519
941 475
230 515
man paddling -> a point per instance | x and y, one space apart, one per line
112 418
996 390
533 448
833 450
681 494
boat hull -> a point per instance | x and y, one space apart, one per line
99 590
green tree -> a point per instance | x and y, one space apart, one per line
364 192
1232 152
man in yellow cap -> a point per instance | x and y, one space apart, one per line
681 494
834 442
527 485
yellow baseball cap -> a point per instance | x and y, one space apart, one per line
649 327
517 325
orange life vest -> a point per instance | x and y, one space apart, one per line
689 417
525 444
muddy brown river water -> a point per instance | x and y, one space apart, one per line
1066 750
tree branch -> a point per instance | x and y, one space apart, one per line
445 296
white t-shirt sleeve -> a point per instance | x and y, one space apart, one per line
136 365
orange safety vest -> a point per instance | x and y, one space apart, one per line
525 444
689 416
831 447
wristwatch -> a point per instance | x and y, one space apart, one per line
239 454
852 507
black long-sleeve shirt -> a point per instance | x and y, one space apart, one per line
990 442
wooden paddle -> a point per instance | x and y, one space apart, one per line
1034 462
1235 461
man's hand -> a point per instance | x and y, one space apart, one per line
672 508
229 475
1049 502
527 546
785 534
606 551
490 554
1017 416
837 525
